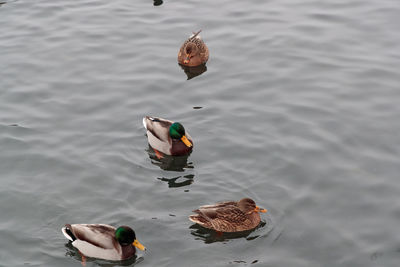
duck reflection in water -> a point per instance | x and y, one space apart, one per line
172 163
178 181
169 163
192 72
211 236
158 2
74 253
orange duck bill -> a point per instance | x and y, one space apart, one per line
138 245
187 59
186 141
258 209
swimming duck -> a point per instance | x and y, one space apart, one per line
167 136
229 216
193 52
103 241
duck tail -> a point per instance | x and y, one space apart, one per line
67 232
144 122
195 34
198 218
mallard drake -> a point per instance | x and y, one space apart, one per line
229 216
167 136
103 241
193 52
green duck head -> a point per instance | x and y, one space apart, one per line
177 131
125 236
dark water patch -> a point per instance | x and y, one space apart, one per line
192 72
178 181
6 2
170 163
157 2
211 236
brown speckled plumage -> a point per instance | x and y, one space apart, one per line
193 52
228 216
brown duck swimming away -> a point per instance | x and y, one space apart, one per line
103 241
229 216
193 52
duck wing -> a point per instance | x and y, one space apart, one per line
207 213
222 217
99 235
158 127
219 205
226 213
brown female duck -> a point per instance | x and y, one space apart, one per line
229 216
193 52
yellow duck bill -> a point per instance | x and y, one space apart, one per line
138 245
186 141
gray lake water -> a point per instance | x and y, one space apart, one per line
298 109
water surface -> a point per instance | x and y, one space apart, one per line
298 109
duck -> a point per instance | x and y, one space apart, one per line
167 136
193 51
103 241
229 216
